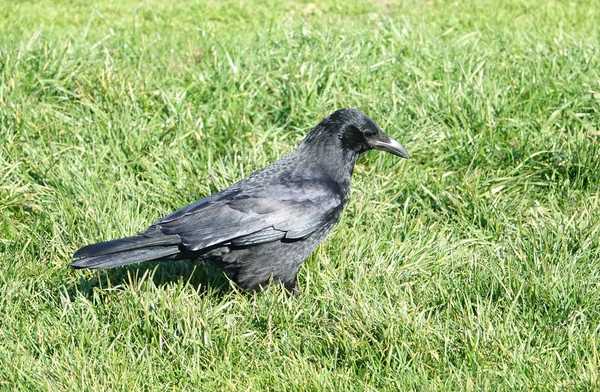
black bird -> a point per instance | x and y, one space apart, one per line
262 228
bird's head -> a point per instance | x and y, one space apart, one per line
357 133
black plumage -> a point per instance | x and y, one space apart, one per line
262 228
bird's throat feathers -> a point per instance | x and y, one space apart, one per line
329 154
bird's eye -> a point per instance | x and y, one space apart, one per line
369 132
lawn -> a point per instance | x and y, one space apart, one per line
474 265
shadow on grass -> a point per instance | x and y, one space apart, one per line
205 279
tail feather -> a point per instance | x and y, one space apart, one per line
142 247
138 241
126 257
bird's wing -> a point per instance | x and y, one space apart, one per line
241 217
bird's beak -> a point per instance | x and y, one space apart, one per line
387 144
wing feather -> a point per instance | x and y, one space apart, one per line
289 210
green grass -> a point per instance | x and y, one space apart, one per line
475 265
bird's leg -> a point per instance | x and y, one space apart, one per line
292 287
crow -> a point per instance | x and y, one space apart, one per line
262 228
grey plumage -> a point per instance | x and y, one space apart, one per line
263 227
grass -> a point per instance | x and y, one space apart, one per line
475 265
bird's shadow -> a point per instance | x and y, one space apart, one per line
203 278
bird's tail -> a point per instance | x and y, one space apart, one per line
142 247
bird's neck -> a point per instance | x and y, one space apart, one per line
332 161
